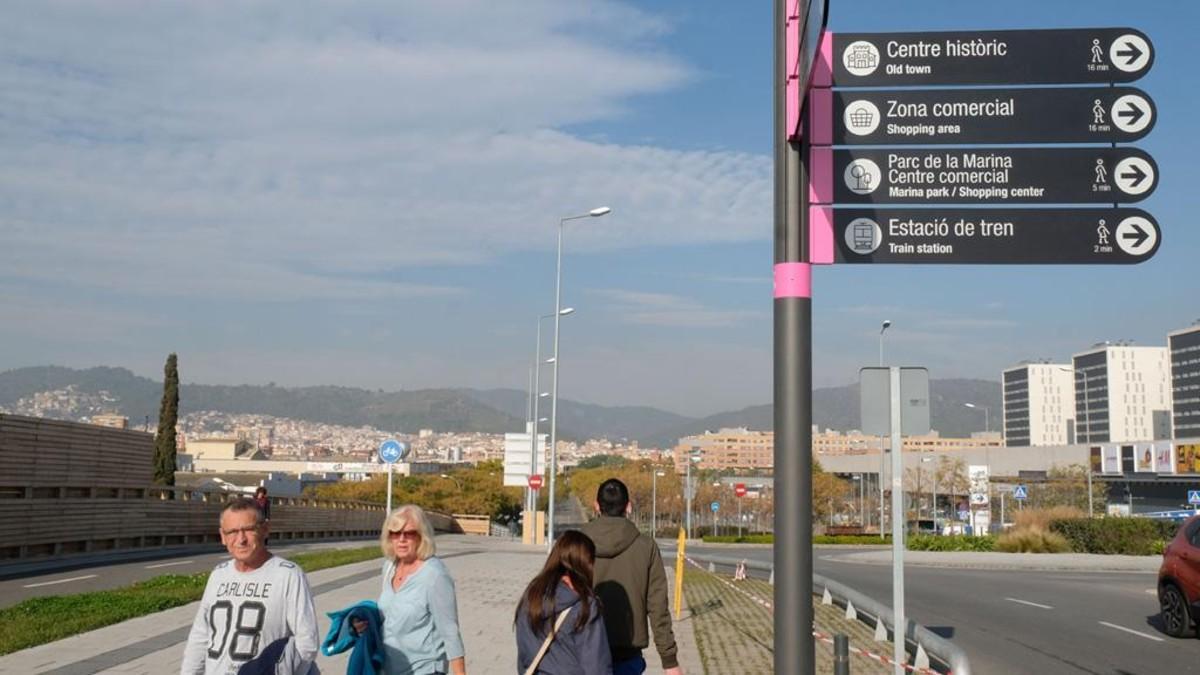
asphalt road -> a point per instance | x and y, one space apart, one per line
101 576
1024 621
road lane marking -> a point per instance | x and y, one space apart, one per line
1151 591
170 564
1130 630
1031 604
62 581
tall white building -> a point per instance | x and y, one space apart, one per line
1185 381
1039 404
1122 394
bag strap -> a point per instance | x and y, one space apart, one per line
562 616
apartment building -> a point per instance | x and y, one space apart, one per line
743 449
737 448
1039 404
1184 348
1122 394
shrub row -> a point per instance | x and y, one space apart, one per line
1124 536
853 539
929 542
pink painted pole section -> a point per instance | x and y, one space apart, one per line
820 116
792 37
793 280
820 175
820 235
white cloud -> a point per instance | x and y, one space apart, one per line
238 144
663 309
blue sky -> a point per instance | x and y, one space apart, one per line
307 193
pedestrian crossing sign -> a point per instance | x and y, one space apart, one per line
1193 497
1019 492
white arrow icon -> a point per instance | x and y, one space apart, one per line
1129 53
1134 175
1131 113
1136 236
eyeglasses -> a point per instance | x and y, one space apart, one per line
409 535
236 531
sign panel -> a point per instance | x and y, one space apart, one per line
1194 497
875 401
1032 115
977 477
1081 55
1164 458
987 175
739 490
1143 455
535 481
994 236
392 451
1020 493
715 506
1187 458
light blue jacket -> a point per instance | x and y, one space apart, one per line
420 621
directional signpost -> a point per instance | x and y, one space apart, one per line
992 236
924 89
739 491
392 451
984 176
1083 55
1012 115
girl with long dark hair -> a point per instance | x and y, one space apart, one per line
559 626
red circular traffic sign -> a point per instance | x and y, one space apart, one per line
740 489
535 481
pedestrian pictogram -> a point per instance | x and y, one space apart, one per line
1194 497
1020 493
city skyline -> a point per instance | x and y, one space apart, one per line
345 196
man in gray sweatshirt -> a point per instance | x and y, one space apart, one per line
631 584
257 611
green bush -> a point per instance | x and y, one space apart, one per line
852 539
1032 540
1115 536
928 542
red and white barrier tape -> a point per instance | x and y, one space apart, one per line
817 634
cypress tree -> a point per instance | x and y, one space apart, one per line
168 415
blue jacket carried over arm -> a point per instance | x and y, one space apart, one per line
368 655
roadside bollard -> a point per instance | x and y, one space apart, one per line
841 655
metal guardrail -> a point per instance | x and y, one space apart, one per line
940 650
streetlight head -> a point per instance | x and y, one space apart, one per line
887 323
660 473
566 310
550 360
445 476
601 211
544 394
969 405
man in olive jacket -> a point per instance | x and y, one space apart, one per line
631 583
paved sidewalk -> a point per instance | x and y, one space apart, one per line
489 576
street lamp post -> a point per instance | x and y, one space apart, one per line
452 478
887 323
530 493
987 424
654 501
688 490
924 460
594 213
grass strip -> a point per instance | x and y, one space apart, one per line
40 620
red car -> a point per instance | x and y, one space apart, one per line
1179 580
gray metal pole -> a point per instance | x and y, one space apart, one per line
530 427
390 465
554 390
841 655
687 496
653 502
882 493
898 519
537 397
794 648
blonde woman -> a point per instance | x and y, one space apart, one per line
420 612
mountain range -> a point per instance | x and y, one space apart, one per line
490 411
